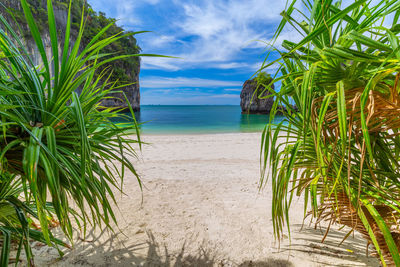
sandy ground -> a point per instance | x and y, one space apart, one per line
201 207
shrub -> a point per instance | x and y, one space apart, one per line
62 158
341 150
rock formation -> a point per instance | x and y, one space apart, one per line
132 92
253 103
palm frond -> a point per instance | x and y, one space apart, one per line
341 149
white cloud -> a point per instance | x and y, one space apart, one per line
180 82
212 33
224 28
204 33
270 69
125 11
151 63
175 64
225 96
189 98
233 90
157 40
231 65
126 14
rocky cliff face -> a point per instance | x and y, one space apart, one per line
15 6
132 92
251 103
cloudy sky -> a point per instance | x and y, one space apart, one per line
217 42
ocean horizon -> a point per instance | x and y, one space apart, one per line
198 119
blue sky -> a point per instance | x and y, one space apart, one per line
214 39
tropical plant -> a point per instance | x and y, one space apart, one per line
124 69
16 221
339 145
262 79
61 155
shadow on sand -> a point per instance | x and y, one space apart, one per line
107 249
93 252
353 249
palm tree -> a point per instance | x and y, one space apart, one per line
339 145
61 155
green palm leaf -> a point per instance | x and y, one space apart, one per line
343 79
62 147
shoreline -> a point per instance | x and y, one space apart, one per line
197 134
201 206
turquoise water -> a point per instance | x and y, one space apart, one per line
198 119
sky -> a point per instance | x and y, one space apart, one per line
219 44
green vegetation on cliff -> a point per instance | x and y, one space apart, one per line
124 70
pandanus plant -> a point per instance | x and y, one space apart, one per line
339 145
62 158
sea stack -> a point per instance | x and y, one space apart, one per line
254 104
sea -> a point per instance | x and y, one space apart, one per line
181 119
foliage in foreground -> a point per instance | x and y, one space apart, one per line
341 150
61 157
124 69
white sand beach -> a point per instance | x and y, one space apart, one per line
201 207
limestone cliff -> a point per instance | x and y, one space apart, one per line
127 72
132 92
254 103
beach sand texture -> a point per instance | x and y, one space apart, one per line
201 207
